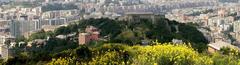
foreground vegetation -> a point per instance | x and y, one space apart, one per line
160 54
119 54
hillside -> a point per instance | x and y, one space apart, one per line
128 35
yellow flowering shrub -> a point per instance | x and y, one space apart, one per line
159 54
62 61
167 54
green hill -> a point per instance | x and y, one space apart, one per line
132 33
128 35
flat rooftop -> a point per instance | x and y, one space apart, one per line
139 13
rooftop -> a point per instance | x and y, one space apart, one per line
135 13
84 33
219 44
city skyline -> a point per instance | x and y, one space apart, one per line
31 28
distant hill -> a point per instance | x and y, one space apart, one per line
228 1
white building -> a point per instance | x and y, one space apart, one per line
236 26
213 47
4 50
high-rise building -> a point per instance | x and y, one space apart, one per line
236 27
14 28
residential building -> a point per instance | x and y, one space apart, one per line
5 42
91 34
136 16
216 46
15 28
4 52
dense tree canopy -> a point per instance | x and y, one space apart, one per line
163 30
